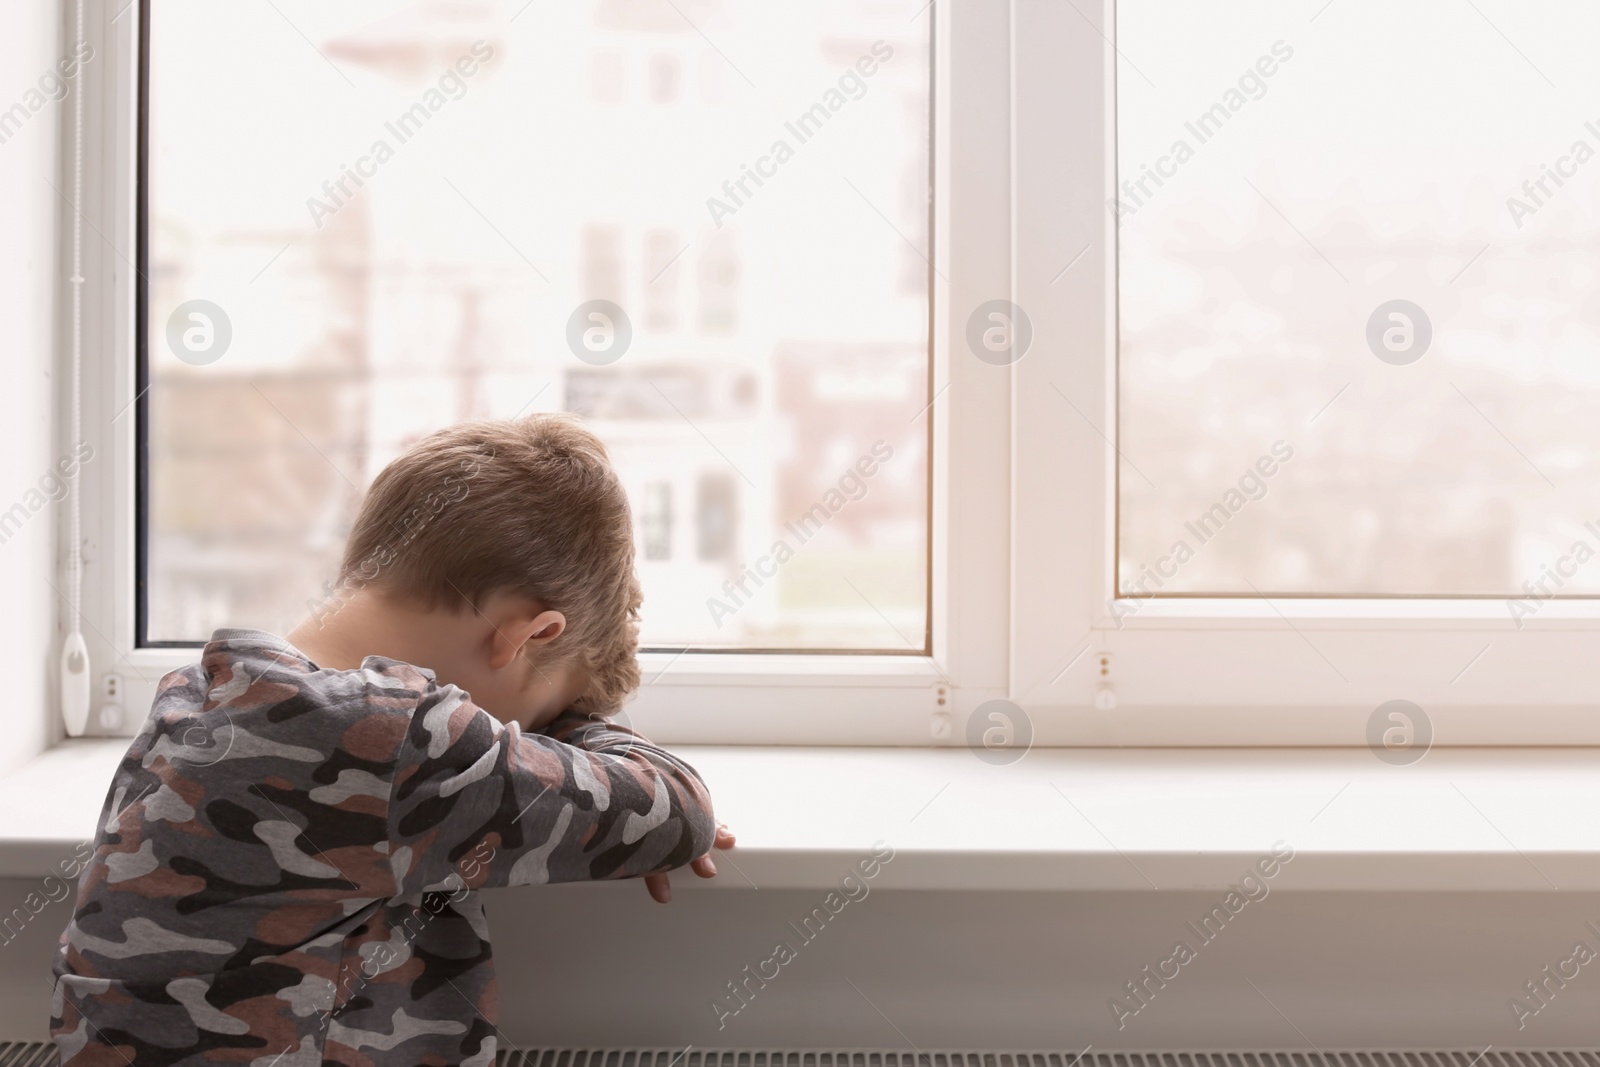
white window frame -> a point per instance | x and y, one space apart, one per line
692 697
1023 492
1202 671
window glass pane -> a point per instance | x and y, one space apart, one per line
1359 341
701 225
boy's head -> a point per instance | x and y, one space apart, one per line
523 526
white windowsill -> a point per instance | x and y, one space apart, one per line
1461 819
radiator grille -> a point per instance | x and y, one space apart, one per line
603 1057
41 1054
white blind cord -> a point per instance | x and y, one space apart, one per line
75 552
74 653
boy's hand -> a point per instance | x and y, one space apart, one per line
704 866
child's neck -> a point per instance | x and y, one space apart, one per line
365 623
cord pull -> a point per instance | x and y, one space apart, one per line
75 684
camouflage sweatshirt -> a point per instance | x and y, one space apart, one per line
286 864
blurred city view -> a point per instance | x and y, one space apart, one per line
1375 163
399 244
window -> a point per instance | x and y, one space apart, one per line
1334 345
1357 356
717 253
791 323
1300 414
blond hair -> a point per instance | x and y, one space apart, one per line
529 506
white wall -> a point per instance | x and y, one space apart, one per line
1036 970
585 965
30 37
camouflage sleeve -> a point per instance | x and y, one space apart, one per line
482 804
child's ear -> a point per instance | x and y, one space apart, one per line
521 631
547 626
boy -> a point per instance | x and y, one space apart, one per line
285 867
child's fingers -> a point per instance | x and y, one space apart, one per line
704 866
724 838
660 889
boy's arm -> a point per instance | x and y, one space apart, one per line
476 803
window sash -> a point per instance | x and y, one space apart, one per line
1095 668
727 697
